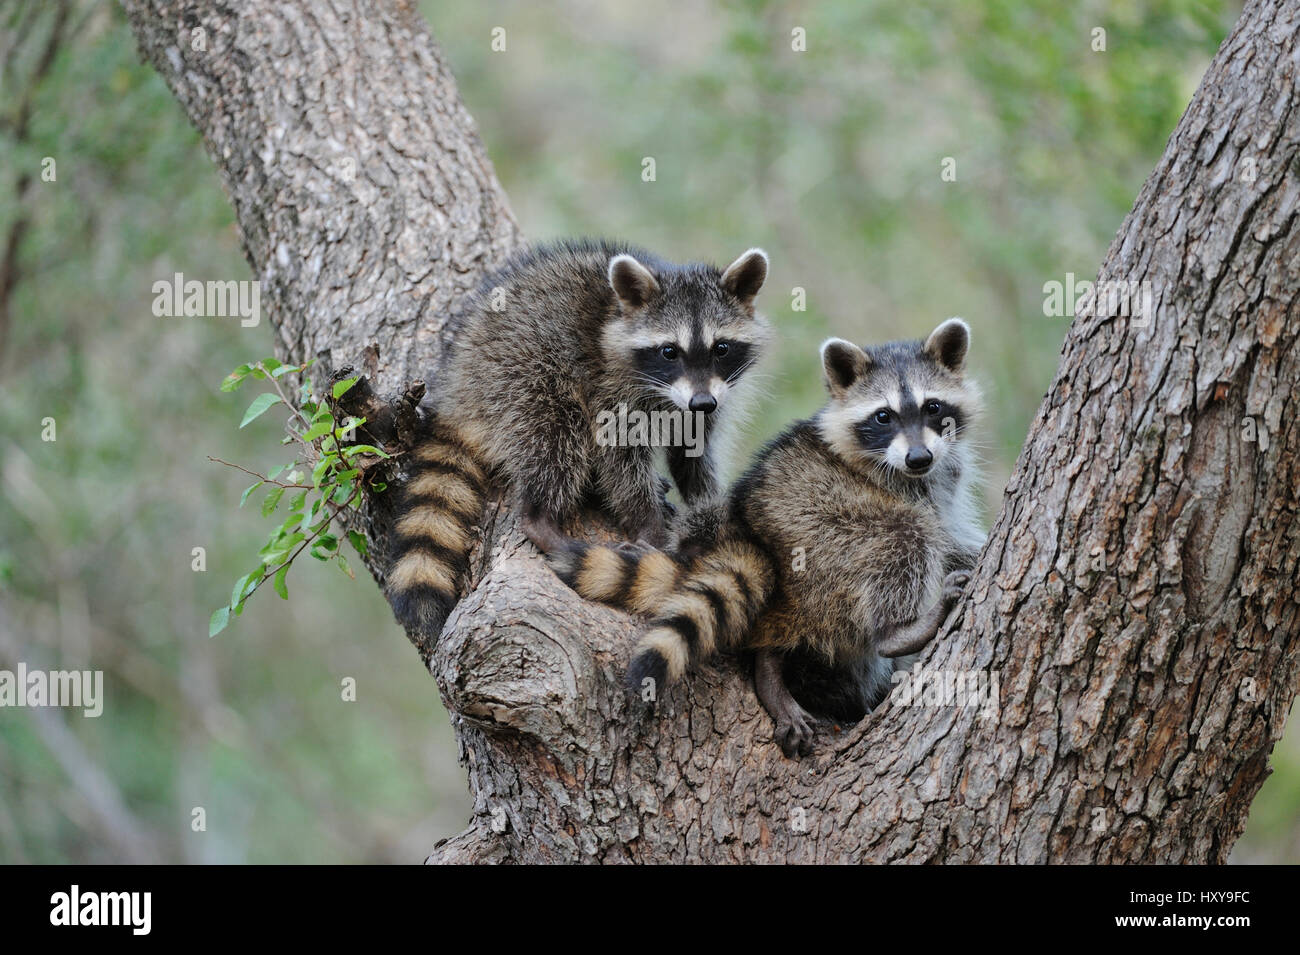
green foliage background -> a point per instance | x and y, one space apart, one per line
829 159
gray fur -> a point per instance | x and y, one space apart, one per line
530 379
832 558
550 340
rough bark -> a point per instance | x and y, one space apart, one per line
1137 594
365 201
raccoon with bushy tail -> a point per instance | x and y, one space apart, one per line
559 335
836 557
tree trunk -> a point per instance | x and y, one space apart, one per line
1135 602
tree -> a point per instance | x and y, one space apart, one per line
1136 597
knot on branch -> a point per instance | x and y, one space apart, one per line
523 653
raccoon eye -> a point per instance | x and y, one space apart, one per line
669 353
882 416
721 349
933 408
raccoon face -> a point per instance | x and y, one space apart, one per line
903 406
687 334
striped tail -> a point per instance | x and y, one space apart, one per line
698 609
440 508
635 579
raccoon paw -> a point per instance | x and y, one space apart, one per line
653 533
544 533
953 585
794 731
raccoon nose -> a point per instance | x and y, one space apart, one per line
703 402
918 459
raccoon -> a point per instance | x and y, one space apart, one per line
837 555
559 335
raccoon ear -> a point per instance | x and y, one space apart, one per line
631 281
844 363
948 344
745 276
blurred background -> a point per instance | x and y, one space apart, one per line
830 158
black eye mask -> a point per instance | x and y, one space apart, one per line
736 357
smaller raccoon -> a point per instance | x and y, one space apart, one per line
558 335
835 557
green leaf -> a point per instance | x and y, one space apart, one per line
278 551
353 450
280 587
316 430
249 490
278 539
259 406
358 542
322 468
271 501
242 586
236 378
308 515
343 565
342 387
217 623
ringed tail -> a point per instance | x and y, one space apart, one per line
714 606
634 579
697 609
441 506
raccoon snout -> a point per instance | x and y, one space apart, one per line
918 459
703 402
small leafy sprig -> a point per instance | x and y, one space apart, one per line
322 482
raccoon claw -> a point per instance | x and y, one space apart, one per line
794 732
630 548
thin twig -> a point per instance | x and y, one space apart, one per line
275 383
263 477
